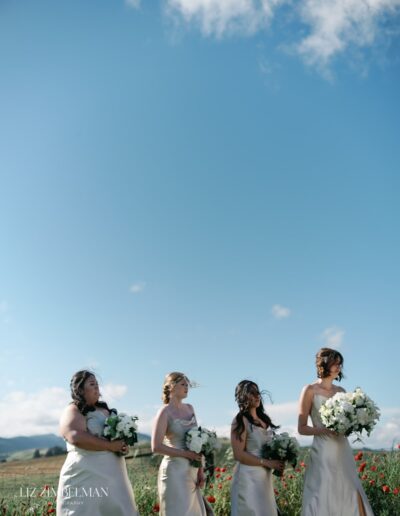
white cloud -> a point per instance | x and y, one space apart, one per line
138 287
111 392
332 26
280 312
32 413
133 3
337 24
333 337
220 17
39 412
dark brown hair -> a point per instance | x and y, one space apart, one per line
76 385
324 360
243 391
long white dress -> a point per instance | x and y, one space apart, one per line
177 490
252 491
331 483
94 483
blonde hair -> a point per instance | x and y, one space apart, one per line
171 379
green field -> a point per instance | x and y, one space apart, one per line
379 472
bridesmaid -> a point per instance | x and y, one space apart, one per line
331 483
252 489
179 483
93 479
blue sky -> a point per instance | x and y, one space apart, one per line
200 189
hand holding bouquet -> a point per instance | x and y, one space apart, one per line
349 412
121 426
281 447
201 440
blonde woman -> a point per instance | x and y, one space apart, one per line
179 483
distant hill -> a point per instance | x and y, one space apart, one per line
14 444
10 445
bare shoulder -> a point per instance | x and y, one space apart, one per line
190 408
308 390
163 411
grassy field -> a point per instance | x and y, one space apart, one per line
379 473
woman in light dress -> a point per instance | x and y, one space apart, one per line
179 483
252 491
331 485
93 479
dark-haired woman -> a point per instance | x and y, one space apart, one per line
93 479
252 489
331 485
179 483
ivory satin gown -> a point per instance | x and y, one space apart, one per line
331 483
252 492
177 490
94 483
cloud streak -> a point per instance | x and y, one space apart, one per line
323 29
333 337
280 312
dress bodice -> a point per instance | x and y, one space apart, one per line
95 421
256 438
318 401
176 430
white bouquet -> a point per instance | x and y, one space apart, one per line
281 447
201 440
349 412
121 426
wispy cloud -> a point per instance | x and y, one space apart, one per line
333 337
280 312
113 392
336 25
32 413
133 3
322 29
221 17
137 287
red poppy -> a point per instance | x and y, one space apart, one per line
229 478
49 511
211 499
217 469
396 490
358 456
381 475
50 503
303 464
223 470
372 482
276 492
218 475
362 466
364 477
156 507
386 489
219 486
373 468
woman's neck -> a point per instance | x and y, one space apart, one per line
326 383
176 403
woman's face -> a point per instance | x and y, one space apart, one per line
254 396
91 391
180 390
335 368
